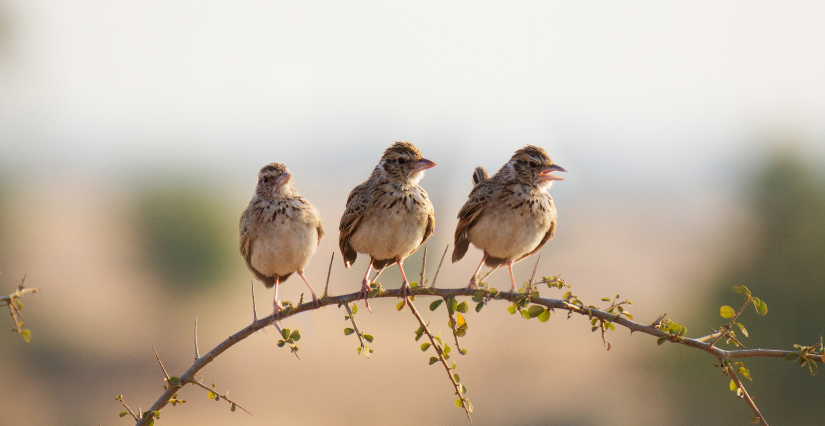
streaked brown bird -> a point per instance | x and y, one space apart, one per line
280 230
509 216
389 216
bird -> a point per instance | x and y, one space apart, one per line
279 231
510 215
389 215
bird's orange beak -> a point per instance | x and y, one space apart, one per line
283 178
422 164
546 174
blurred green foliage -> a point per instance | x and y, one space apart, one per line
189 235
785 266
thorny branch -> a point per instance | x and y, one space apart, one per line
700 343
744 393
440 351
15 305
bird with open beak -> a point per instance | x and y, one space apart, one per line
388 216
279 230
509 216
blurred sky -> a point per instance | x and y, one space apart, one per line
647 85
659 111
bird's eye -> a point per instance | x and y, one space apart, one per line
533 164
265 179
401 161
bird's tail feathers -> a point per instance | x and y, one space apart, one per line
479 174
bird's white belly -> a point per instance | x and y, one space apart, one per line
283 249
507 236
389 235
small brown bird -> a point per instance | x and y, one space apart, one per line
389 216
509 216
280 230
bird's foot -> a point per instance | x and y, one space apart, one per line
316 302
365 291
473 283
278 307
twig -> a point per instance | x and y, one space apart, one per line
729 325
254 310
745 394
197 354
329 273
423 266
530 284
222 396
247 331
161 364
453 327
437 270
464 402
129 410
354 326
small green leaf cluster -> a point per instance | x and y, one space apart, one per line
174 381
481 298
523 297
728 312
804 355
289 339
375 290
554 282
15 306
675 331
739 369
365 349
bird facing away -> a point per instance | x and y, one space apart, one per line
389 216
509 216
280 230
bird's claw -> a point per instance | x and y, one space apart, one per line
365 293
473 283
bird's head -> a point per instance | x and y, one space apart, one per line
532 166
402 162
274 180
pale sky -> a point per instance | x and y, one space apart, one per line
101 84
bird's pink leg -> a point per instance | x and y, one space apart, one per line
474 279
365 286
512 280
276 302
405 285
315 300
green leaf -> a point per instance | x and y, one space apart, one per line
123 413
741 289
463 307
436 304
452 305
605 299
400 305
27 335
233 407
675 328
464 390
755 420
285 333
425 346
174 381
544 316
761 307
733 386
536 310
295 335
727 312
792 357
447 348
812 366
511 309
479 306
19 304
368 338
457 378
354 309
413 284
211 395
281 343
661 340
359 350
463 352
525 314
743 329
348 331
683 331
610 326
151 422
433 360
458 403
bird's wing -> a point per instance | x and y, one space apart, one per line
247 240
357 203
430 220
467 216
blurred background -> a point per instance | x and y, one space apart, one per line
131 134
